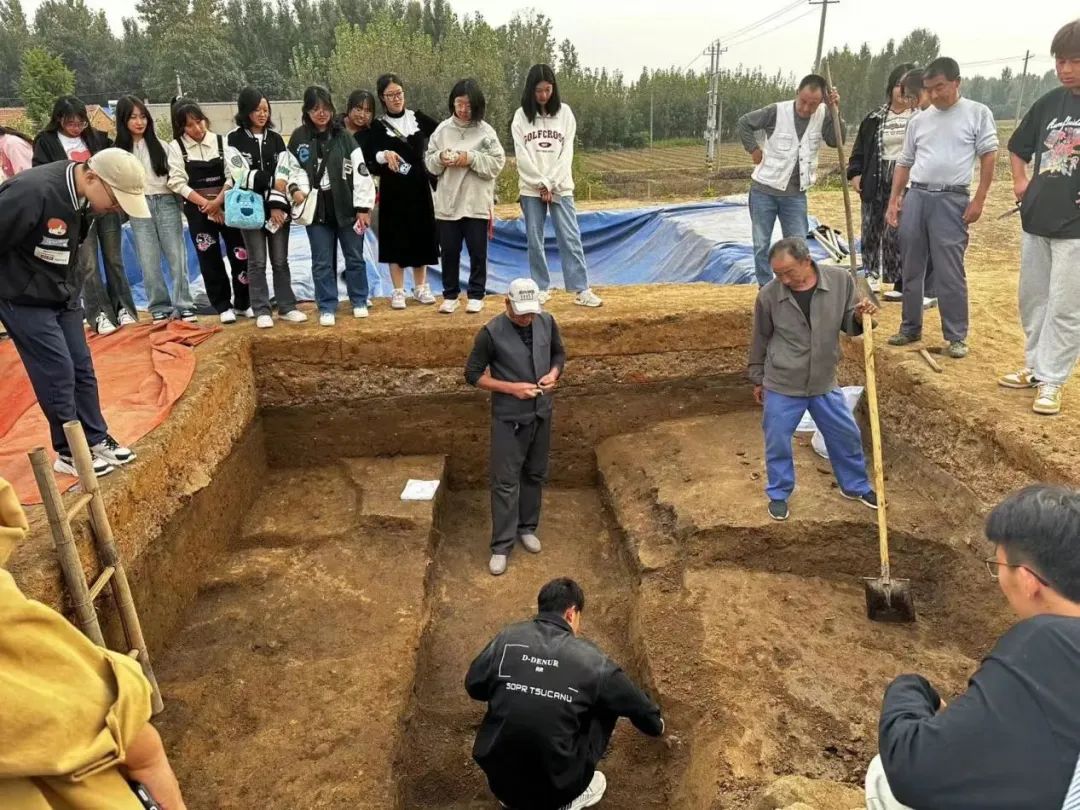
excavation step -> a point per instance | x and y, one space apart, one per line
287 685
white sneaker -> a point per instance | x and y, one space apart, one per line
397 300
875 283
475 305
587 298
929 303
125 318
112 452
264 322
423 294
545 296
1048 400
893 295
592 795
246 313
65 465
294 316
497 565
448 306
228 316
531 543
359 312
327 319
370 303
102 324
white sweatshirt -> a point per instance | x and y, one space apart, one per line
466 191
545 152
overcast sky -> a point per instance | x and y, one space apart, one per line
629 34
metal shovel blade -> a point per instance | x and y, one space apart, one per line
889 601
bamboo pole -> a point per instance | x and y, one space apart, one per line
66 550
106 544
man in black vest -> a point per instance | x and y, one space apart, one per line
518 357
553 700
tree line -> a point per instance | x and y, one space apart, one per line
212 48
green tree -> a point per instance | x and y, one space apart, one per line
525 41
14 39
921 46
196 48
79 36
42 79
388 45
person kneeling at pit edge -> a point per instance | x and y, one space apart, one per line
793 358
553 700
75 717
1012 740
518 356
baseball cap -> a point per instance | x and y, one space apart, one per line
123 173
524 296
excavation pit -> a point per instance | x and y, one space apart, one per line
311 630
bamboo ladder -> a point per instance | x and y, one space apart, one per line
112 573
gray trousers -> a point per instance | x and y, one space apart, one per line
1050 305
932 228
519 468
113 293
259 244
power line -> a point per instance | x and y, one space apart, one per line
746 29
772 29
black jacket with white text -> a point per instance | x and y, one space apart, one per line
545 687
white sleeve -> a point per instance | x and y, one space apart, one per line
564 169
178 176
235 175
528 171
363 185
432 159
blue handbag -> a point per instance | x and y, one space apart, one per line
244 209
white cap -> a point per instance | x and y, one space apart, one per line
124 174
524 296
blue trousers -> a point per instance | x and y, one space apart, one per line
837 426
324 241
765 209
567 237
52 345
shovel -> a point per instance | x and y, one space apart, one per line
887 599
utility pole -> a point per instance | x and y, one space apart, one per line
652 101
712 134
1023 81
821 31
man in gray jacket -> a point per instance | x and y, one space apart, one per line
518 357
796 347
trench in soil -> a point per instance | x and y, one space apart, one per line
322 662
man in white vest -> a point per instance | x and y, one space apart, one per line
784 140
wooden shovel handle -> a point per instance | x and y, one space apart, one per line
875 442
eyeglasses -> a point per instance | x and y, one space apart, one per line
400 94
992 566
75 123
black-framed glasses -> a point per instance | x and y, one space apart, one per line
396 96
992 566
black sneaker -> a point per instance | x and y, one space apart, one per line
778 510
65 465
157 317
868 498
112 451
189 315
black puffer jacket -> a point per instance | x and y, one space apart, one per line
48 149
262 161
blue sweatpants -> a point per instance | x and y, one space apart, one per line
837 426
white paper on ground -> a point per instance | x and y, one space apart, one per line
852 395
416 490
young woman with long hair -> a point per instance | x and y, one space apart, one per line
396 152
331 165
69 136
162 234
259 148
466 156
197 173
544 128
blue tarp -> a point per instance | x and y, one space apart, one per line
708 241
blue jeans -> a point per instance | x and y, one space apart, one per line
163 234
764 211
324 241
837 425
567 236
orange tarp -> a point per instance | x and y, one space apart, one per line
142 370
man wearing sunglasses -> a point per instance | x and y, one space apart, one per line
1012 740
44 217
